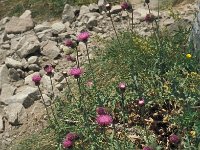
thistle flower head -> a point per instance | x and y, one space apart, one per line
147 148
101 111
70 58
122 86
104 120
71 136
126 6
149 18
83 37
141 102
48 69
67 144
69 43
36 79
76 72
173 139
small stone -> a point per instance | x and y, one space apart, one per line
92 22
7 91
47 99
33 60
14 75
41 27
83 10
59 27
116 9
1 124
34 67
11 63
93 7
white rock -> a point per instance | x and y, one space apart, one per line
33 60
7 91
93 7
26 14
68 14
1 124
59 27
41 27
11 63
15 113
83 10
116 9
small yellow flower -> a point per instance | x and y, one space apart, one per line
193 134
188 56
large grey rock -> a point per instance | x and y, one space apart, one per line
28 44
92 22
50 49
11 63
26 14
19 25
4 75
15 113
7 91
68 14
26 96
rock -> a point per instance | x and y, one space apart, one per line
168 22
83 10
28 44
34 67
116 9
45 35
6 46
2 56
11 63
59 27
98 30
101 4
26 96
14 75
1 124
26 14
41 27
58 77
93 7
68 14
7 91
47 100
33 60
50 49
92 22
19 25
4 75
15 113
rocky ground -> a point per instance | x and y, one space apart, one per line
26 46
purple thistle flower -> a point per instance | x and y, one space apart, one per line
104 120
70 58
149 18
141 102
69 43
174 139
36 79
147 148
83 37
67 144
76 72
48 69
122 86
126 6
101 111
71 136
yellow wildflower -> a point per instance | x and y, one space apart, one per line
193 134
188 56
